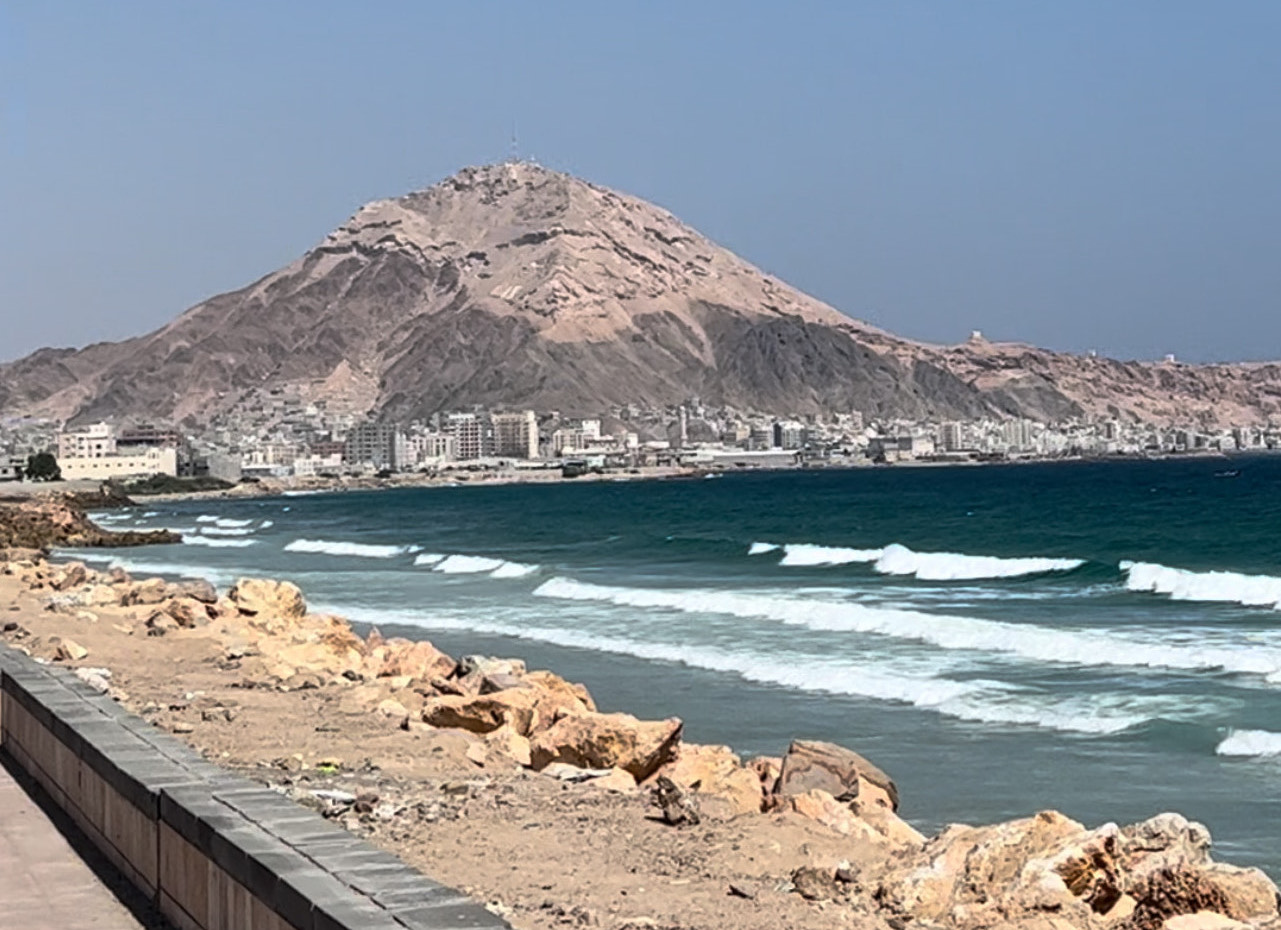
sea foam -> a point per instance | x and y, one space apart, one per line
226 531
897 559
479 564
213 543
760 548
974 700
339 548
1024 641
1221 587
1250 743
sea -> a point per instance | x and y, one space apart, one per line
1100 638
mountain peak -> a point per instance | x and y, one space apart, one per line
516 284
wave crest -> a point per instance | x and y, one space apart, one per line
1250 743
1215 587
357 550
897 559
214 543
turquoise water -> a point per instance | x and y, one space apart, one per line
1104 639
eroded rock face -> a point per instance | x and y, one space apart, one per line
263 597
526 710
602 741
725 787
1136 877
840 772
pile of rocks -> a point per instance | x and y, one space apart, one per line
39 523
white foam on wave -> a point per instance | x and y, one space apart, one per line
215 543
225 531
977 701
341 548
207 518
227 523
760 548
265 524
806 554
954 566
1250 743
1215 587
151 513
1025 641
513 570
474 565
897 559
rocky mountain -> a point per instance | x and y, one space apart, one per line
513 284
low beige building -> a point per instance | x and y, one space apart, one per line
154 461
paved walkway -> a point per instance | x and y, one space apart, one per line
44 882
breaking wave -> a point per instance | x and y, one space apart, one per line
429 558
1250 743
1095 647
214 543
978 701
1219 587
358 550
760 548
479 564
225 531
896 559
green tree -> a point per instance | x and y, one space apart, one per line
43 467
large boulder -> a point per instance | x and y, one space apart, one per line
842 773
146 592
71 575
195 588
418 660
723 785
526 710
550 681
602 741
263 597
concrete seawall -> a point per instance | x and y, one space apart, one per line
214 850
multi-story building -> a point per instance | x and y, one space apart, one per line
516 435
153 460
951 438
371 444
473 435
92 442
788 434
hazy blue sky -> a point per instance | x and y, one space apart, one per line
1076 174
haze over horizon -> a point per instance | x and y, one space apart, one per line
1081 177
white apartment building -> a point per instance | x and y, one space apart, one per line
516 435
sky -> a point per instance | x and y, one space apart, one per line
1079 175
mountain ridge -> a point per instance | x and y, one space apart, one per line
514 284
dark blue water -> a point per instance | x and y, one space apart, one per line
1100 638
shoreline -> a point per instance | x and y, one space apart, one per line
270 689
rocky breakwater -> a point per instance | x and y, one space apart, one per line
1045 872
60 520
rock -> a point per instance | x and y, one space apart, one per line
724 786
494 683
549 681
526 710
189 612
563 771
594 740
840 772
102 595
392 709
767 769
477 753
509 744
416 660
263 597
1251 894
97 678
677 805
815 884
198 589
148 592
1175 891
1203 920
71 575
471 671
742 890
819 806
160 623
182 727
614 780
70 651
